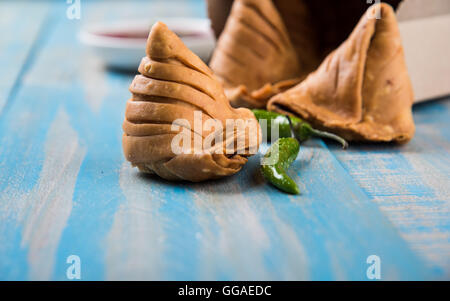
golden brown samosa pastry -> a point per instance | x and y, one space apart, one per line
254 50
313 30
362 90
173 95
301 26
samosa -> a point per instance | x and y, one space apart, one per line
362 90
254 57
176 122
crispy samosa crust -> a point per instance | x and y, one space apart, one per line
254 52
362 90
174 93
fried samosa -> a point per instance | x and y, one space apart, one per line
254 57
175 99
362 90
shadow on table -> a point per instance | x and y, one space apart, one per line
247 179
122 71
431 104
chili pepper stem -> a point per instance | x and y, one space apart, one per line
331 136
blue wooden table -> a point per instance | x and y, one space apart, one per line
65 188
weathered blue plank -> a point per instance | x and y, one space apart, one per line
411 183
18 36
65 189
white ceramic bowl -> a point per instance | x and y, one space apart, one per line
122 44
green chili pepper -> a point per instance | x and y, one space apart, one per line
277 160
302 130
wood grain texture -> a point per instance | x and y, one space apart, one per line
410 183
21 27
65 186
